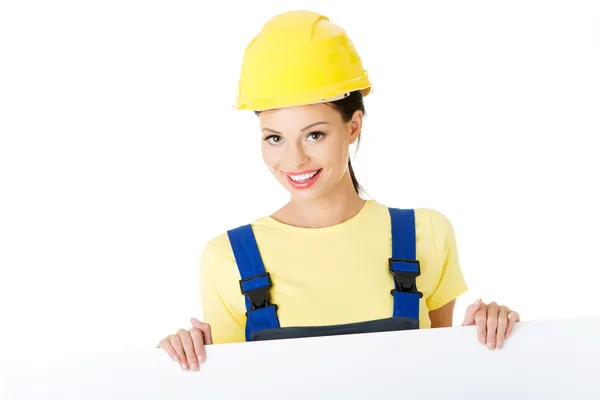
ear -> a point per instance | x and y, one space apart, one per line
355 126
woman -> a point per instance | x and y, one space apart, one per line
328 262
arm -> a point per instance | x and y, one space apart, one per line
442 317
217 287
451 283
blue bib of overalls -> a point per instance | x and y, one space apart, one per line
261 316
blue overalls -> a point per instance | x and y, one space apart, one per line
262 322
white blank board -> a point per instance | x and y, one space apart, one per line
555 359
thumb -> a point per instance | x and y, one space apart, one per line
471 311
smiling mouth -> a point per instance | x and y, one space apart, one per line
302 181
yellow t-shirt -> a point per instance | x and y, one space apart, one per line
333 275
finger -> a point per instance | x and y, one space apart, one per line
165 344
480 321
471 311
198 341
502 324
176 343
492 325
205 329
188 347
513 318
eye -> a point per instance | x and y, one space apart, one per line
273 139
315 135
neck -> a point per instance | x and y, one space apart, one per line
336 207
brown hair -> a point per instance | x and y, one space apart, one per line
347 107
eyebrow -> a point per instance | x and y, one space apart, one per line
301 130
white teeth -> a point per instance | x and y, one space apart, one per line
303 177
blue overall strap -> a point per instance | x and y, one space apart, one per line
254 283
403 264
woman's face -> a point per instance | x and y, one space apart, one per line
306 148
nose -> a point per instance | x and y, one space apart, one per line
296 156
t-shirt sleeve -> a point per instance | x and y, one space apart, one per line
451 283
226 326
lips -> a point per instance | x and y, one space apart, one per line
303 179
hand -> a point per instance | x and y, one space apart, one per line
187 347
494 323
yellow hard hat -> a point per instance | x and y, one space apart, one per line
298 58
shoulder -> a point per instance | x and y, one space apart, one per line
436 237
434 233
433 220
430 221
218 249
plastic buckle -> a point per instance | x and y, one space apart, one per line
405 281
259 297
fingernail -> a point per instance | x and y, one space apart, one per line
482 340
500 345
491 345
175 358
194 367
184 366
201 359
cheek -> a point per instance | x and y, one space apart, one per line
270 157
335 156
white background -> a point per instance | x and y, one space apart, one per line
120 154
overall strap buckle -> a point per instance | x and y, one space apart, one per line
405 273
256 289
